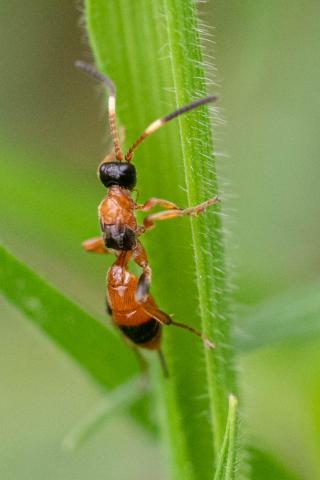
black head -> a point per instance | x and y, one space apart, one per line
118 173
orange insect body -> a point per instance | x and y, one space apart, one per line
133 309
116 205
117 220
136 320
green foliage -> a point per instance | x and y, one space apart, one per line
49 206
118 400
92 345
226 464
264 466
292 316
95 348
148 87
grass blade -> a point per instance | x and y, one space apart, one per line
82 337
151 51
290 317
119 399
226 466
188 76
264 465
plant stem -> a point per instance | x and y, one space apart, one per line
188 76
152 52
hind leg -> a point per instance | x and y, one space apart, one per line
143 364
163 364
165 319
139 256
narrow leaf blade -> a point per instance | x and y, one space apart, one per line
290 317
226 466
120 398
86 340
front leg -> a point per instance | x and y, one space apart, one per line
95 245
148 222
149 204
153 202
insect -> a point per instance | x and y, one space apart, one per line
140 322
132 308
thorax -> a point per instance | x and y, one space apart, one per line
117 208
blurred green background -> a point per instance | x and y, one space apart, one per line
52 125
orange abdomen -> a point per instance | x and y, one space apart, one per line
129 316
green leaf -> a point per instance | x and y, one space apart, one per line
151 51
119 399
264 466
87 341
47 212
99 351
226 466
290 317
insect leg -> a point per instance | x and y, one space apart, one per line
95 245
153 202
141 360
148 222
143 365
140 258
165 319
163 364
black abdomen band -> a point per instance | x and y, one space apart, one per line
142 333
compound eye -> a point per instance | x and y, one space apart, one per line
118 173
